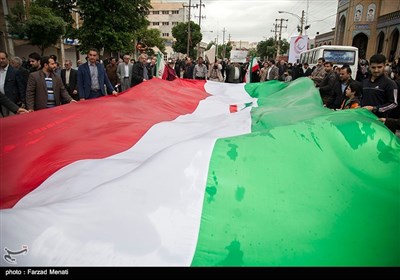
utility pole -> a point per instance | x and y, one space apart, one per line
200 17
280 26
223 43
216 50
188 39
276 36
306 22
302 22
188 31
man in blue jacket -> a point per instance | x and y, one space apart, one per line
92 78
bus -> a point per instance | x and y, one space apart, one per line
338 55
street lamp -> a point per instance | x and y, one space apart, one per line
301 19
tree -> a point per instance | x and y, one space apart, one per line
42 28
180 33
252 53
220 53
151 37
62 9
267 48
110 24
16 21
227 50
285 46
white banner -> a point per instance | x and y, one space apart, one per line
210 55
238 56
298 44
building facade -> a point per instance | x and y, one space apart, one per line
327 38
243 45
164 16
370 25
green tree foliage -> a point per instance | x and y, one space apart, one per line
16 20
252 53
151 37
285 46
41 27
180 33
228 50
267 49
110 24
63 9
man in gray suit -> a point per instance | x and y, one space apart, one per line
124 73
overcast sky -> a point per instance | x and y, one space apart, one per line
252 20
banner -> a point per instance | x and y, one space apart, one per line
238 56
298 44
210 54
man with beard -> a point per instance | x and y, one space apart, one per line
45 89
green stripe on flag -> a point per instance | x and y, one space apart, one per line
308 187
160 57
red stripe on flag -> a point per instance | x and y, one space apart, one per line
255 67
233 108
34 146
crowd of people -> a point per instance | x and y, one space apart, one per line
43 84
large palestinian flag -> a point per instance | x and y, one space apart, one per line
194 173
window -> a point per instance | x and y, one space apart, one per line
174 23
165 12
175 12
165 23
156 23
340 56
156 12
165 34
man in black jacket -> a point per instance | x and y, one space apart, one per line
69 77
141 71
379 92
11 106
11 83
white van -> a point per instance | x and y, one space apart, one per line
338 55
